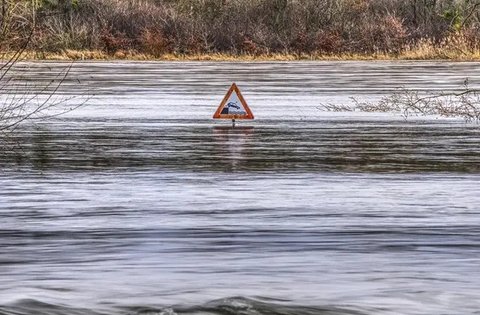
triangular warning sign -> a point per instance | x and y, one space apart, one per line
233 106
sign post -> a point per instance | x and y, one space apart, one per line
233 106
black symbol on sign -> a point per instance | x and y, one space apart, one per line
226 109
234 105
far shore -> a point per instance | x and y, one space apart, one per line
417 55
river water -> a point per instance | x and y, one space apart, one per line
139 203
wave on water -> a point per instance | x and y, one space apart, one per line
226 306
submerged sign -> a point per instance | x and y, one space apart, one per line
233 106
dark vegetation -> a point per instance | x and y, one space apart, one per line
239 27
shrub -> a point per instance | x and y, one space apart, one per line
253 27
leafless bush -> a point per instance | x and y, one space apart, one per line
245 26
464 104
21 98
330 107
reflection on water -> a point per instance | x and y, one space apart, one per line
302 146
231 145
139 203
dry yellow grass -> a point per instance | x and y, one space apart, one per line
454 48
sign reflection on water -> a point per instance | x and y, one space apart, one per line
231 143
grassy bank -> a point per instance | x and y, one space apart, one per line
100 56
241 29
421 53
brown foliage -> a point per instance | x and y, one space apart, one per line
154 42
114 41
253 27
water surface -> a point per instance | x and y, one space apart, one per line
139 203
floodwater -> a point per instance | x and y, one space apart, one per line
139 203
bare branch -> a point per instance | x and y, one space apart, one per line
464 104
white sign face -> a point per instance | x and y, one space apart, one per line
233 106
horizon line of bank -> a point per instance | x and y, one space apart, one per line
97 55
